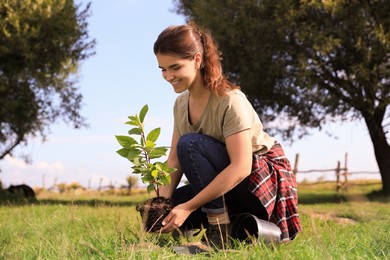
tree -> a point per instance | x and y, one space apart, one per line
131 181
41 45
308 62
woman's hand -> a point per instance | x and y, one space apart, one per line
175 218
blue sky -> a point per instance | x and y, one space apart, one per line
121 78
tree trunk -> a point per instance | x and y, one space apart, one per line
381 150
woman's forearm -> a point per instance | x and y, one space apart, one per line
222 184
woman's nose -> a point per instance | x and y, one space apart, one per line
168 76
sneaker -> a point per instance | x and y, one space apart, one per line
217 236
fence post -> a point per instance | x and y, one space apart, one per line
338 183
346 172
295 170
100 184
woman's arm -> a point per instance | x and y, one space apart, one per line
239 147
173 162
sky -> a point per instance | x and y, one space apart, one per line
118 81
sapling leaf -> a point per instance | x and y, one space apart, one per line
133 121
170 170
157 152
167 179
146 179
158 166
143 112
125 141
154 134
123 152
137 121
134 153
155 173
162 179
137 162
140 170
135 131
149 146
150 188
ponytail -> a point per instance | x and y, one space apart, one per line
211 67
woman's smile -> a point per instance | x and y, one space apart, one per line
175 82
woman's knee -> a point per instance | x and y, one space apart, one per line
184 143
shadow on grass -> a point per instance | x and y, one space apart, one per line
18 201
378 196
312 198
91 203
315 198
11 199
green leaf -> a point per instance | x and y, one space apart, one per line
143 112
146 179
149 145
135 131
153 135
165 179
166 169
157 152
137 162
150 188
170 170
159 166
123 152
137 171
168 179
125 141
140 169
134 153
133 121
155 173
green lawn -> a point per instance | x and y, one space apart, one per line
348 225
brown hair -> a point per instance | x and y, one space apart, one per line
185 41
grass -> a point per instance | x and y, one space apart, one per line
346 225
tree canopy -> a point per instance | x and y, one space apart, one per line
41 46
307 62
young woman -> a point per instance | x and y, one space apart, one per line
218 143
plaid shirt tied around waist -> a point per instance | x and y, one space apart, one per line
273 182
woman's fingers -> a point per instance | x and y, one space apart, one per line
167 219
175 218
168 223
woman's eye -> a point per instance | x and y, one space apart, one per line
176 68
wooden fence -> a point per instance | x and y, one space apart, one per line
341 172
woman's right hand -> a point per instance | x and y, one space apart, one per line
176 218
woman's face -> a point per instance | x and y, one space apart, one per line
181 73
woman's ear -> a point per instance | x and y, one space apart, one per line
198 60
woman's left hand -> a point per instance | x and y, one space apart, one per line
175 218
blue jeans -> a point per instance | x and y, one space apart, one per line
201 159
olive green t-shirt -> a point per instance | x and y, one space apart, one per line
222 117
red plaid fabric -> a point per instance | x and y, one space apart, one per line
273 182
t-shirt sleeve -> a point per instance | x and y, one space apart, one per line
237 115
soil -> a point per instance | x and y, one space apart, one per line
153 211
